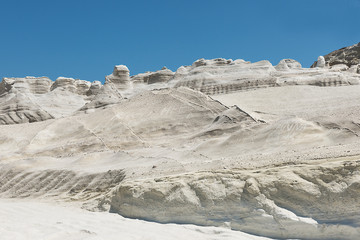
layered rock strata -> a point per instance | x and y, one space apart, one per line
315 201
274 151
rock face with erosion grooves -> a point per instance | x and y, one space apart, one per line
120 78
287 64
18 105
269 150
304 201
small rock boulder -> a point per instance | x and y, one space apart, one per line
320 62
287 64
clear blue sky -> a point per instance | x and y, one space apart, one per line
85 39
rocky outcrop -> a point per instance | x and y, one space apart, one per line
303 202
141 78
32 85
354 69
218 76
212 77
161 76
274 161
94 88
281 160
120 78
320 63
16 104
82 87
348 55
287 64
317 77
77 86
215 62
30 99
182 71
104 96
18 108
64 83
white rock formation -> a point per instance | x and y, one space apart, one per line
274 151
287 64
320 62
181 71
64 83
161 76
103 97
217 76
77 86
339 67
33 99
120 78
17 106
94 88
28 84
269 202
82 86
354 68
220 76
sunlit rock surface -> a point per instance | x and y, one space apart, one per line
349 56
268 150
120 78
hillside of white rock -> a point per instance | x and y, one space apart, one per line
272 151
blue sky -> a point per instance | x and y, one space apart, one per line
85 39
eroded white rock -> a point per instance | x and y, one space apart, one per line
287 64
120 78
320 62
279 203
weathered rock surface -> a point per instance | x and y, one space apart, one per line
212 77
94 88
274 151
354 68
32 85
120 78
188 158
348 55
321 63
283 202
64 184
220 76
161 76
17 106
77 86
287 64
103 97
33 99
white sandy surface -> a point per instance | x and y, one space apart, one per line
50 221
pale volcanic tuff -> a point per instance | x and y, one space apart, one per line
268 150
